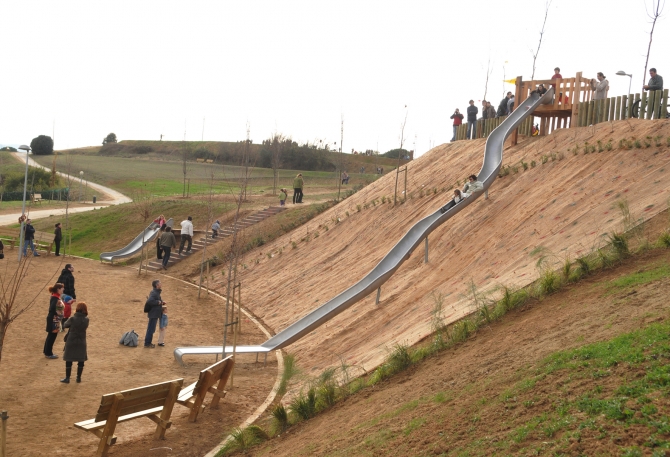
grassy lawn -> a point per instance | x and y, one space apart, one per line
163 178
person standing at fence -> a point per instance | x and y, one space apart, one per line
75 346
58 236
186 234
600 86
472 120
298 184
556 75
502 107
490 111
52 331
458 120
510 104
655 83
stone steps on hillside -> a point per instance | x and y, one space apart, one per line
199 243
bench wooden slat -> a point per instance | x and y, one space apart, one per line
193 396
91 424
155 401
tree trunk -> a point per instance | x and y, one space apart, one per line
3 331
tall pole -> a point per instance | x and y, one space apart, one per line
81 181
23 209
339 176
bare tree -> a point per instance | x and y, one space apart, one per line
655 12
184 167
143 202
277 143
489 70
402 142
537 52
339 165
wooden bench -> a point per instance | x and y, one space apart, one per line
155 402
44 241
36 198
9 237
193 396
200 160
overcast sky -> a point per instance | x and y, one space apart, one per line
145 68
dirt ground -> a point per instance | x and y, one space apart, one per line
42 410
376 420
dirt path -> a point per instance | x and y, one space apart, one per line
40 406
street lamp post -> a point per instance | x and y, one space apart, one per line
81 180
26 148
623 73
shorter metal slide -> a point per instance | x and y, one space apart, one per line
147 235
493 154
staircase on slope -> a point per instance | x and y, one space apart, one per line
199 241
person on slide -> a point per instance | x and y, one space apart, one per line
457 199
472 186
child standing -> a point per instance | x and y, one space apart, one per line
282 197
67 307
216 226
162 326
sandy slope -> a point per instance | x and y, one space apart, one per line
566 205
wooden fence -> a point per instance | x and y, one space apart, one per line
651 105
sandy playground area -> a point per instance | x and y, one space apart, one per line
42 410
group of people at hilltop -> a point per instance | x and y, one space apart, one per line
599 86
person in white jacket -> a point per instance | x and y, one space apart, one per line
186 234
472 186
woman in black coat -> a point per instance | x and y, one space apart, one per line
67 279
52 331
75 346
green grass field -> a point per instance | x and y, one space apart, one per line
163 178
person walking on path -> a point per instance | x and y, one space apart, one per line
155 306
52 331
458 120
216 226
67 279
159 249
75 346
58 236
162 326
28 238
472 120
600 86
298 184
168 241
186 234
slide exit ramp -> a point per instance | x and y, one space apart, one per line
493 154
149 234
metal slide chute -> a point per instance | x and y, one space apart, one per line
493 154
147 235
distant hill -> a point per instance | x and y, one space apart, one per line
300 157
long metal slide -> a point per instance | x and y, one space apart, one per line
493 154
135 246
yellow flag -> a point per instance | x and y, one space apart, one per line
511 81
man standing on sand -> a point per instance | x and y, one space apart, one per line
472 120
58 236
186 234
298 184
155 306
29 231
67 279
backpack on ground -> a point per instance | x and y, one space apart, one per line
129 339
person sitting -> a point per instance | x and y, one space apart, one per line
457 199
472 186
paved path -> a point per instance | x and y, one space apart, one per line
112 197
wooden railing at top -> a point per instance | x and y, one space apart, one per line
573 106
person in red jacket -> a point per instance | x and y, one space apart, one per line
458 120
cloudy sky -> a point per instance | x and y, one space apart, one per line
146 68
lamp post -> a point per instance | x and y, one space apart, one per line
81 180
623 73
26 148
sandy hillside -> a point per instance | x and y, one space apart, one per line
566 205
